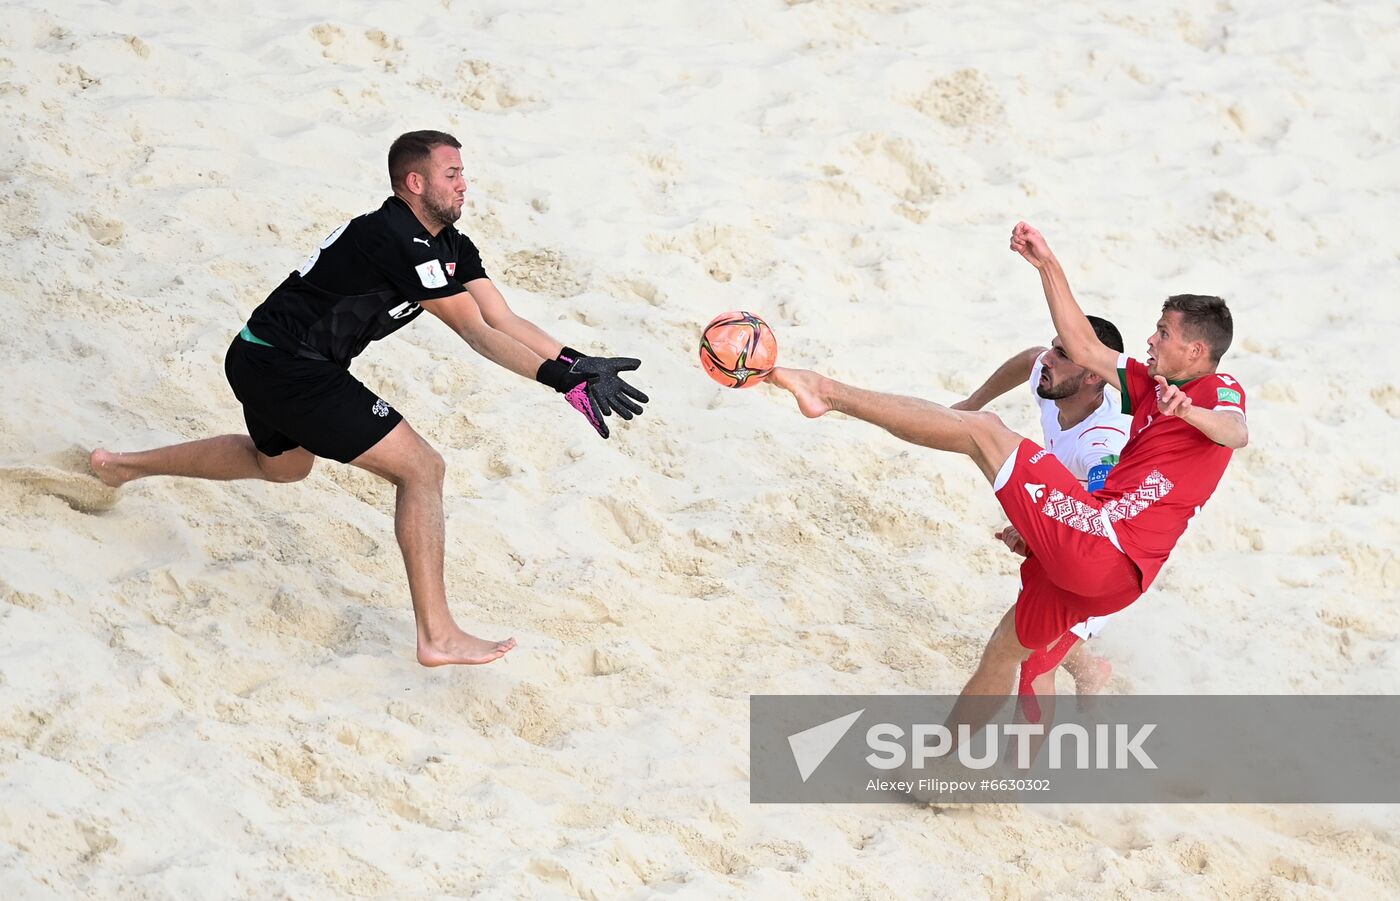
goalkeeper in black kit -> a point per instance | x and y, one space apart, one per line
289 368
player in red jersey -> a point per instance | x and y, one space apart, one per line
1090 554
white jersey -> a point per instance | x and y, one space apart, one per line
1092 444
1098 440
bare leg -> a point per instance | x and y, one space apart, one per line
223 458
1090 671
993 681
981 436
404 458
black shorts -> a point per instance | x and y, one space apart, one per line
289 402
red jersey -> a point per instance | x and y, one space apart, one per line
1168 469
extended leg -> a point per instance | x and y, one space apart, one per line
981 436
416 469
223 458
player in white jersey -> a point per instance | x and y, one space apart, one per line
1085 429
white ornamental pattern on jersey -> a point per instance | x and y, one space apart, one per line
1153 488
1080 516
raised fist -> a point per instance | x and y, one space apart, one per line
1030 243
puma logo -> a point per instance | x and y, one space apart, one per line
423 241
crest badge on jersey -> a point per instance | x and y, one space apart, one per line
451 268
430 274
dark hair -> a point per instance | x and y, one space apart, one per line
1107 332
1205 318
411 149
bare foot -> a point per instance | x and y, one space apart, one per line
107 466
807 386
1090 673
459 647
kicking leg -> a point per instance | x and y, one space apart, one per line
223 458
417 470
981 436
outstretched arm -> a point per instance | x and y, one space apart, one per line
590 385
462 315
1076 334
1010 374
608 393
498 314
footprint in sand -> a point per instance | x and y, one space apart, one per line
66 476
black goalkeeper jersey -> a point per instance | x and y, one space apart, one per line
365 281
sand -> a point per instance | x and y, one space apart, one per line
207 690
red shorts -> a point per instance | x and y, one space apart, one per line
1073 570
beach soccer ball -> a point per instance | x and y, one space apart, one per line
738 349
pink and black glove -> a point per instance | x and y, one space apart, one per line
592 385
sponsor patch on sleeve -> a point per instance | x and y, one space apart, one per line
1099 474
1227 396
431 275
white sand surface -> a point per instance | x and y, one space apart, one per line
207 690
